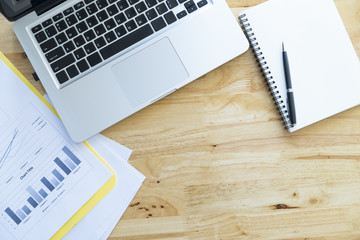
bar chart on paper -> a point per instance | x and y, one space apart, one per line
45 178
35 196
36 171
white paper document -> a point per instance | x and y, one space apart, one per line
102 219
45 178
116 148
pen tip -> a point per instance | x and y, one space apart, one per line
283 46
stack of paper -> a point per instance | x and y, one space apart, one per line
52 187
101 220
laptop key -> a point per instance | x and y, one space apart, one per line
62 77
79 53
79 5
82 14
51 31
161 8
171 3
79 41
127 41
63 63
100 42
69 46
141 20
122 4
48 45
170 17
47 23
36 28
120 18
140 7
82 65
102 16
151 14
55 54
71 20
94 59
110 36
40 37
92 21
110 24
181 14
91 9
151 3
61 25
130 25
68 11
189 4
82 27
88 1
99 29
72 71
89 35
120 31
101 4
191 8
61 38
112 10
57 17
202 3
130 13
89 48
71 32
158 24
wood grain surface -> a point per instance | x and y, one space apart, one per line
220 165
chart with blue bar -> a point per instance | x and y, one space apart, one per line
36 196
37 169
45 178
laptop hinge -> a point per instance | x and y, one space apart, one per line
46 5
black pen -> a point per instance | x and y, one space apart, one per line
289 90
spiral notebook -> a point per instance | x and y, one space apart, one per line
325 69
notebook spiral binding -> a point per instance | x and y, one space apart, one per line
279 101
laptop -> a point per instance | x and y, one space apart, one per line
102 60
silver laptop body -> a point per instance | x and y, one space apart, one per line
198 36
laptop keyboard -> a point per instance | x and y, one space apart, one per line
92 31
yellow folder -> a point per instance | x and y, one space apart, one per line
100 194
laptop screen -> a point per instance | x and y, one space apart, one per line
14 9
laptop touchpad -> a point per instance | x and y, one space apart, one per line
150 72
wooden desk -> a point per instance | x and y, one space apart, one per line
220 165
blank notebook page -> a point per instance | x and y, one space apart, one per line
325 69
